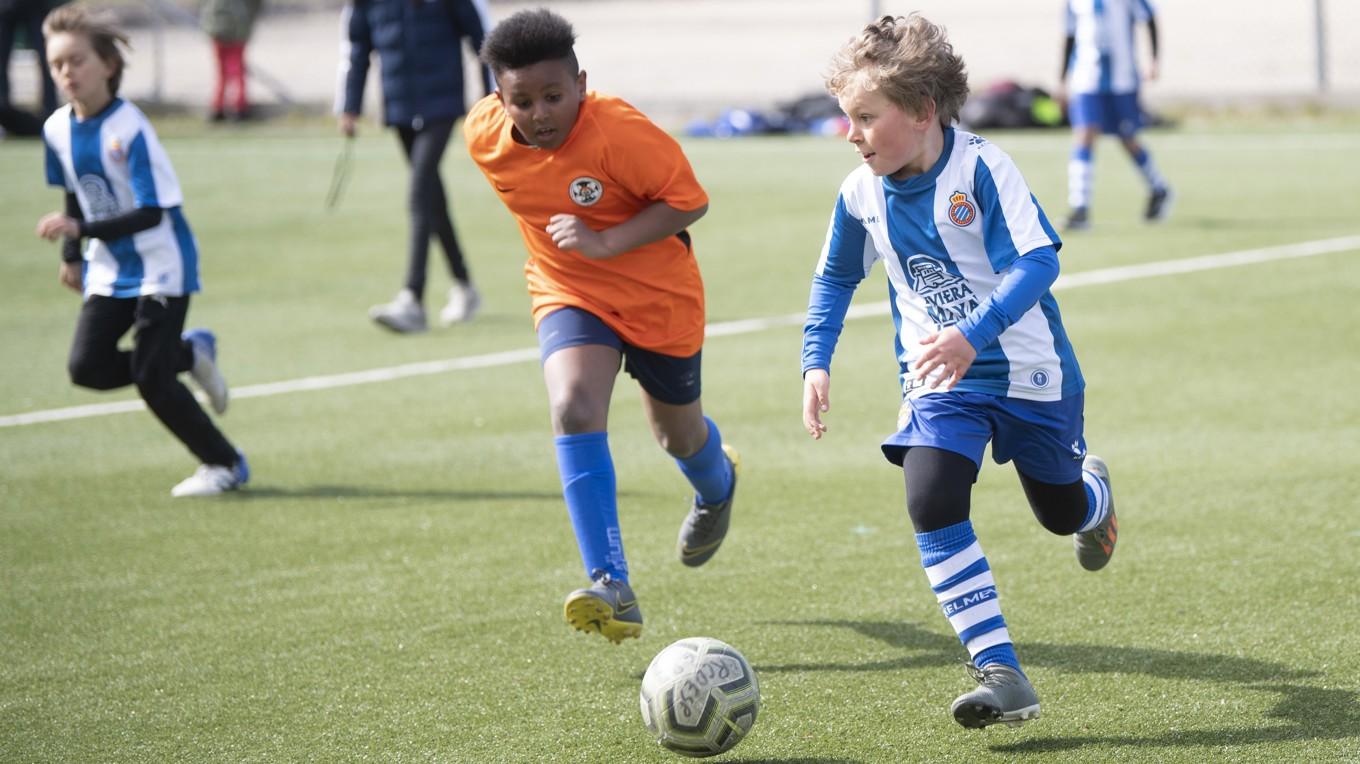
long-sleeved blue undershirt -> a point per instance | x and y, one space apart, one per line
1028 278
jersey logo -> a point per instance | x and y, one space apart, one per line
102 203
1039 378
948 298
961 211
585 191
116 152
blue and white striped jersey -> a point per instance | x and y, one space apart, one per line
946 238
1104 56
114 164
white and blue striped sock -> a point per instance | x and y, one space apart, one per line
1097 500
963 585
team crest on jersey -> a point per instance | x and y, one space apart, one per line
116 152
961 211
585 191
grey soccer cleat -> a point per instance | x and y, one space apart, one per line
204 370
1079 219
705 526
607 607
1003 695
404 315
1096 546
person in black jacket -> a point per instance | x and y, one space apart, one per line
419 43
26 15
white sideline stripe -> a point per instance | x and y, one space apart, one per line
727 328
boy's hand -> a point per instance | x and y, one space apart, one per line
346 122
816 399
71 275
55 225
569 233
947 352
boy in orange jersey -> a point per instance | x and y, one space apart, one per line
603 198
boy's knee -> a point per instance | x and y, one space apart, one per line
83 373
572 416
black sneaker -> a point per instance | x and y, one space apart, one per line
1003 695
705 526
1159 205
1077 220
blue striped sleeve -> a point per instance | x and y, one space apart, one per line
141 177
827 305
844 263
1020 289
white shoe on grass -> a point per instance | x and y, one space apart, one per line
404 314
205 371
214 479
464 300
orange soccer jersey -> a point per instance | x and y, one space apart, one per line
613 164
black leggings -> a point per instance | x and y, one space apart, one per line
158 355
940 487
427 203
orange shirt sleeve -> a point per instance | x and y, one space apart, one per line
648 161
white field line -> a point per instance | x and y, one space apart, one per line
727 328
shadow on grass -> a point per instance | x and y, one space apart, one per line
260 493
1303 712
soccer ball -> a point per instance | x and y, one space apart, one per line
699 697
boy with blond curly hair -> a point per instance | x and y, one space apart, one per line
983 354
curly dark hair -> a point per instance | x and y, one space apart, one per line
527 38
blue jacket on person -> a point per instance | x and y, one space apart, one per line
419 43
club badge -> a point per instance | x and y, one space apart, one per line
585 191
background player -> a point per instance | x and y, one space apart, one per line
141 262
419 47
984 356
603 199
1100 56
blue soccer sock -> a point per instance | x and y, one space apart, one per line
588 486
963 585
708 470
1097 500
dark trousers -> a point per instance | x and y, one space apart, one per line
428 205
157 357
28 17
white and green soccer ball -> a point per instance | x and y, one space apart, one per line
699 697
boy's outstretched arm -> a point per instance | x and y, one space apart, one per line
651 224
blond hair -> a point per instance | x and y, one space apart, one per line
103 33
907 59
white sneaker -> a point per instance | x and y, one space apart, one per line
464 300
205 371
214 479
404 314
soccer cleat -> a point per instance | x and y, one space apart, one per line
214 479
607 606
464 300
1003 695
706 525
404 315
1159 205
1077 220
204 370
1096 546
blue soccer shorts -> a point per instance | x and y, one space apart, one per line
667 378
1043 438
1114 113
